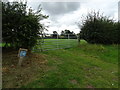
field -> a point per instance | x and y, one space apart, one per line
53 44
83 66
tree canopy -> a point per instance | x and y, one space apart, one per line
97 28
20 24
66 32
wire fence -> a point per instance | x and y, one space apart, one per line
53 42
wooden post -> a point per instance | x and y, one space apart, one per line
20 61
21 54
78 39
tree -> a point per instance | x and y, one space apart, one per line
97 28
54 35
21 28
62 33
67 33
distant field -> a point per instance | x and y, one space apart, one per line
3 44
52 44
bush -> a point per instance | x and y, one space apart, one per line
100 29
20 27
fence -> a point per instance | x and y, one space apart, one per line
53 42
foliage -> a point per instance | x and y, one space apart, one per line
20 24
97 28
54 35
66 32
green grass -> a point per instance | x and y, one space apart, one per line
3 44
51 44
88 65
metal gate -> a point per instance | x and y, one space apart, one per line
53 43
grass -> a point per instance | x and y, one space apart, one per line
2 44
14 76
86 66
51 44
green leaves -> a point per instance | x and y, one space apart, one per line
21 27
100 29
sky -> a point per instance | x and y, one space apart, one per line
119 12
65 14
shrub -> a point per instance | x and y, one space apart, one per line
100 29
21 27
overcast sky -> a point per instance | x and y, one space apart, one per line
63 14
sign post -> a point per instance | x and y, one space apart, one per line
21 54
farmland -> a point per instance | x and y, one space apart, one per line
52 44
83 66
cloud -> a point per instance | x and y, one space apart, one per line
64 18
63 15
58 8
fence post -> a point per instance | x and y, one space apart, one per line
68 40
78 37
68 36
57 41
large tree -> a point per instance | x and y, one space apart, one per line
21 25
97 28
